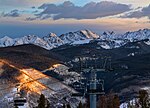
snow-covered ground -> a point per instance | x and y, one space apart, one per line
131 102
36 82
69 77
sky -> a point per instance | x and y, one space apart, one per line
40 17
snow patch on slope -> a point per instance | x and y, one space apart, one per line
6 41
60 69
53 40
77 37
81 42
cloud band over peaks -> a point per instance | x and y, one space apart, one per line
90 10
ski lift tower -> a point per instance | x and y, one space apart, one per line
92 69
93 91
90 65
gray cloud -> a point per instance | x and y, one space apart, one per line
13 13
139 14
91 10
30 19
25 3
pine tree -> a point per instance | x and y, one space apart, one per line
64 106
110 97
102 102
80 105
144 99
109 101
43 102
116 101
48 104
68 106
87 105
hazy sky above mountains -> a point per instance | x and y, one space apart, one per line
39 17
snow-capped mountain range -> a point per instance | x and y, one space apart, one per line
107 40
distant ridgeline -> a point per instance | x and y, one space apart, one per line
107 40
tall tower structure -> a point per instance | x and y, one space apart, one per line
93 88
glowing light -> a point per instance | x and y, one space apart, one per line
56 65
1 70
28 79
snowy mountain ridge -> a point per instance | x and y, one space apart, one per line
108 40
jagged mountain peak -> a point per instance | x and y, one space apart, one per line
51 34
89 33
109 35
143 30
79 37
28 39
108 38
53 40
137 35
51 37
5 38
108 32
139 31
6 41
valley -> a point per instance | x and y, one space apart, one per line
57 73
